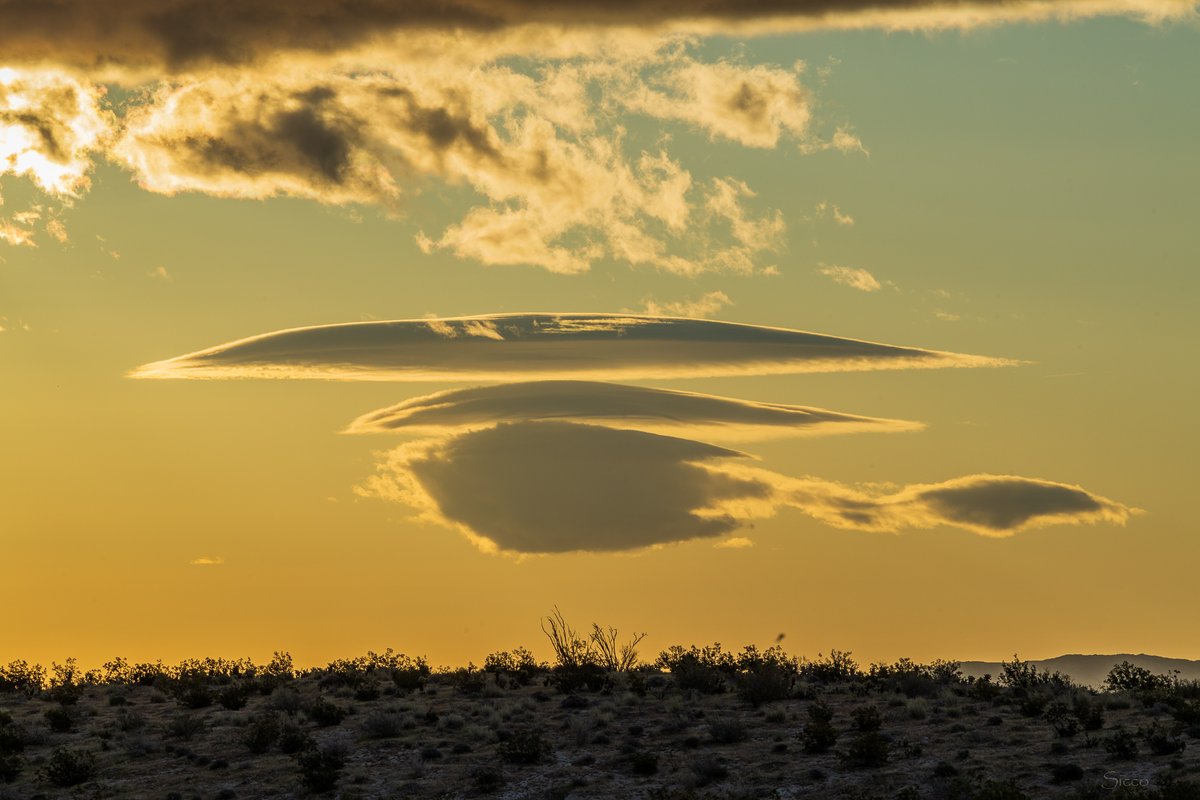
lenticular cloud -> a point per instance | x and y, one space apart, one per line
546 345
613 405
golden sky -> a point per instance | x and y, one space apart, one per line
327 330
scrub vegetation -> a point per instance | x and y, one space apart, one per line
600 721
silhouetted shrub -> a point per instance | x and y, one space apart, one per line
523 746
867 751
382 724
912 679
765 677
1162 742
1064 773
326 713
1121 744
60 719
320 767
728 730
582 677
261 732
644 762
186 726
11 765
700 669
192 692
866 719
20 676
1089 712
234 696
517 665
1127 677
293 738
818 734
67 767
839 667
1062 718
707 768
487 778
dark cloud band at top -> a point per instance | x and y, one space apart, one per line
180 34
612 405
510 346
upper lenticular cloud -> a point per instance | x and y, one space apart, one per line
613 405
508 346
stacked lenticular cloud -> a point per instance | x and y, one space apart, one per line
549 462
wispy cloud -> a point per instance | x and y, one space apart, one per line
853 277
513 346
553 487
613 405
207 561
706 305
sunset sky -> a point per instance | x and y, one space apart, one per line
871 324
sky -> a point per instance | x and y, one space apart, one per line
345 327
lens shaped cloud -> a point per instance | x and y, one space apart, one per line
556 487
508 346
613 405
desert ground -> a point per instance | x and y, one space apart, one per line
697 723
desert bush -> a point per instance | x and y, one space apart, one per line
584 677
66 683
912 679
818 734
468 680
326 713
192 691
523 746
765 677
293 738
727 730
11 765
866 719
700 669
839 667
321 766
381 724
1088 711
234 696
866 751
20 676
1062 719
570 649
1161 742
707 768
1127 677
612 655
984 688
67 767
1121 744
644 762
186 726
60 719
1064 773
518 665
261 732
285 699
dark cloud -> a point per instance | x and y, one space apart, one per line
555 487
612 405
186 33
508 346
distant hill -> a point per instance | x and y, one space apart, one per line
1091 670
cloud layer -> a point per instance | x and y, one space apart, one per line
511 346
554 487
612 405
186 34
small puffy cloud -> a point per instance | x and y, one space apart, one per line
555 487
859 279
207 561
825 209
734 543
706 305
613 405
511 346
